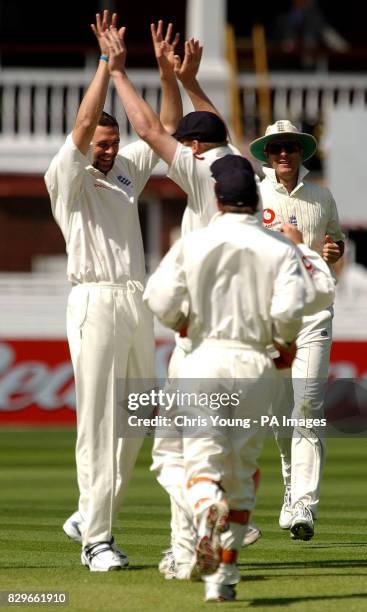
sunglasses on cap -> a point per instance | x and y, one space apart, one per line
289 146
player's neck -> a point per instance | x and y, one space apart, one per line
289 182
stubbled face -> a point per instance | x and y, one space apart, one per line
106 143
284 156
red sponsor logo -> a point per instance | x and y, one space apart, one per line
268 216
308 265
37 384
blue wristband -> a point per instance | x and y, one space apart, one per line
104 58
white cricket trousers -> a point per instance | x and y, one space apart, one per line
110 334
302 397
168 464
228 453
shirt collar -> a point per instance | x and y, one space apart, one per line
270 175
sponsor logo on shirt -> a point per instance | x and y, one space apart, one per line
308 265
124 180
268 216
270 222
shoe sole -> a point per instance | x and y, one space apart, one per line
207 549
302 531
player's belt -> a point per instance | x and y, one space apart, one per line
130 285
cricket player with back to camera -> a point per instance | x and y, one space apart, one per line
230 326
201 138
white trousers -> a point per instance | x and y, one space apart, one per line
229 453
110 334
230 459
168 464
302 396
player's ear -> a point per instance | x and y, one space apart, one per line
195 146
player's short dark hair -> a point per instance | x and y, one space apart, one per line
107 120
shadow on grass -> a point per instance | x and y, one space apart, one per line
288 601
304 564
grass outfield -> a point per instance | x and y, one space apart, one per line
38 491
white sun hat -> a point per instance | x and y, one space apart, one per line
278 130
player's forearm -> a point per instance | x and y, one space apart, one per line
198 97
91 107
171 107
141 116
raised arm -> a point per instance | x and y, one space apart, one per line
187 71
142 117
164 49
94 99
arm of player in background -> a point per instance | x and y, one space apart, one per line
93 102
164 49
322 279
166 292
319 282
289 297
186 72
144 120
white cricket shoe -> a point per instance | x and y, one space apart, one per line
302 523
211 523
167 565
252 535
286 513
219 592
100 557
72 528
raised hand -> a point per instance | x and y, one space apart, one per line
187 70
164 47
101 26
116 48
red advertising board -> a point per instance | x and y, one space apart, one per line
37 386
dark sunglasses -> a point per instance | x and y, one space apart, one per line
277 147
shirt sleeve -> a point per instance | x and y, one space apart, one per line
289 296
64 179
322 280
333 226
166 292
140 160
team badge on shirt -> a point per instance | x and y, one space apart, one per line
293 220
124 180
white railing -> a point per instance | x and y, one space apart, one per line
301 96
38 107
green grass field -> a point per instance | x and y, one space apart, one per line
38 491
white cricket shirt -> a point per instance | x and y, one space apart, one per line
192 173
238 279
98 214
310 207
